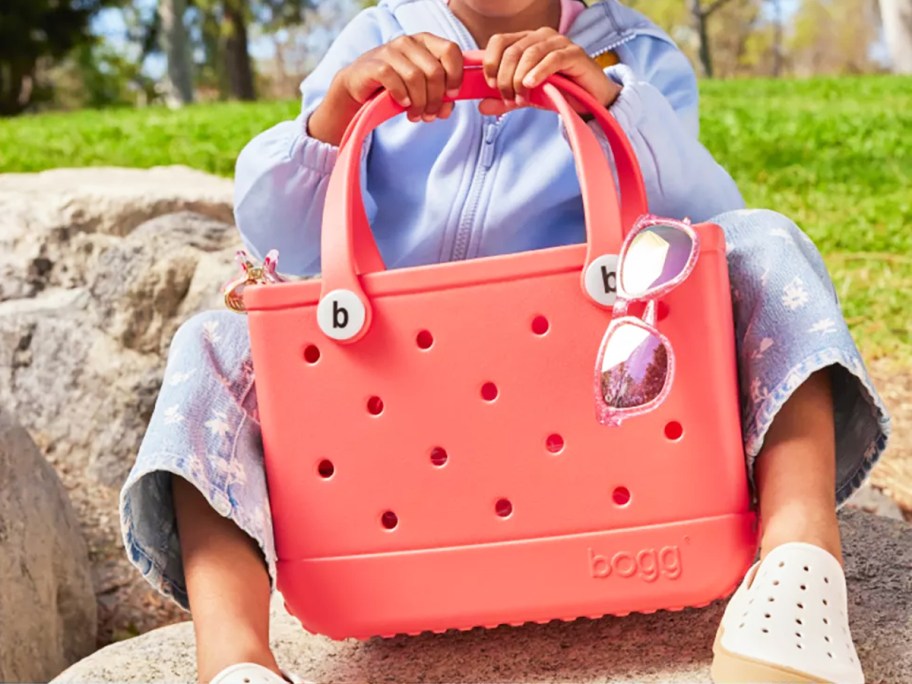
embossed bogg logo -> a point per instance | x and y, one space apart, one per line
646 564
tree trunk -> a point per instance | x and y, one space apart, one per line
5 88
214 47
778 50
698 18
897 23
176 45
15 92
240 70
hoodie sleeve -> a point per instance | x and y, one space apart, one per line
281 176
658 110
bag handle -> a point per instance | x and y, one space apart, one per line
348 248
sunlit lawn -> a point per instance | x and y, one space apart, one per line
834 154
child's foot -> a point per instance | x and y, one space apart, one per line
249 673
788 622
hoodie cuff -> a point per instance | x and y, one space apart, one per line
314 154
628 108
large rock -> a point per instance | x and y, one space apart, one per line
87 361
46 216
47 605
663 647
98 267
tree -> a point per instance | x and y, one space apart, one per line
225 28
734 34
176 45
237 55
832 37
34 30
778 50
700 16
744 39
897 25
297 48
98 75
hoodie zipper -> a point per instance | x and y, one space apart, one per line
612 46
486 153
485 160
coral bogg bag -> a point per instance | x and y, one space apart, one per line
432 450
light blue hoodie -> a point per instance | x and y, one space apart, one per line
474 185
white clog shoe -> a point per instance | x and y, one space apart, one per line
249 673
788 622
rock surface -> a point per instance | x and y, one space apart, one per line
869 498
47 605
98 267
663 647
893 474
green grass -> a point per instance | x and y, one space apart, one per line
207 137
834 154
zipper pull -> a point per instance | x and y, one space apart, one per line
251 274
487 150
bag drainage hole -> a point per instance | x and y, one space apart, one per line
540 325
425 340
554 443
503 508
375 406
389 520
311 354
621 496
439 456
489 391
674 431
326 469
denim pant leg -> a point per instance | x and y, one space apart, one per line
788 324
204 429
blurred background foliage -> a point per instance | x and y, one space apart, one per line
69 54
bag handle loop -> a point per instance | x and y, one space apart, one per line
348 248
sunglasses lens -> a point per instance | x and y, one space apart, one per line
656 256
634 367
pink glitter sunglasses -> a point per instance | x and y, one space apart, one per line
635 363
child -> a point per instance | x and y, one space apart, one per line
813 424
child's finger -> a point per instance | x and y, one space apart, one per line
495 107
563 60
381 74
434 76
450 56
532 57
494 52
512 57
508 64
414 80
445 110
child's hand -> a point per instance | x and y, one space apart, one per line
417 70
514 63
